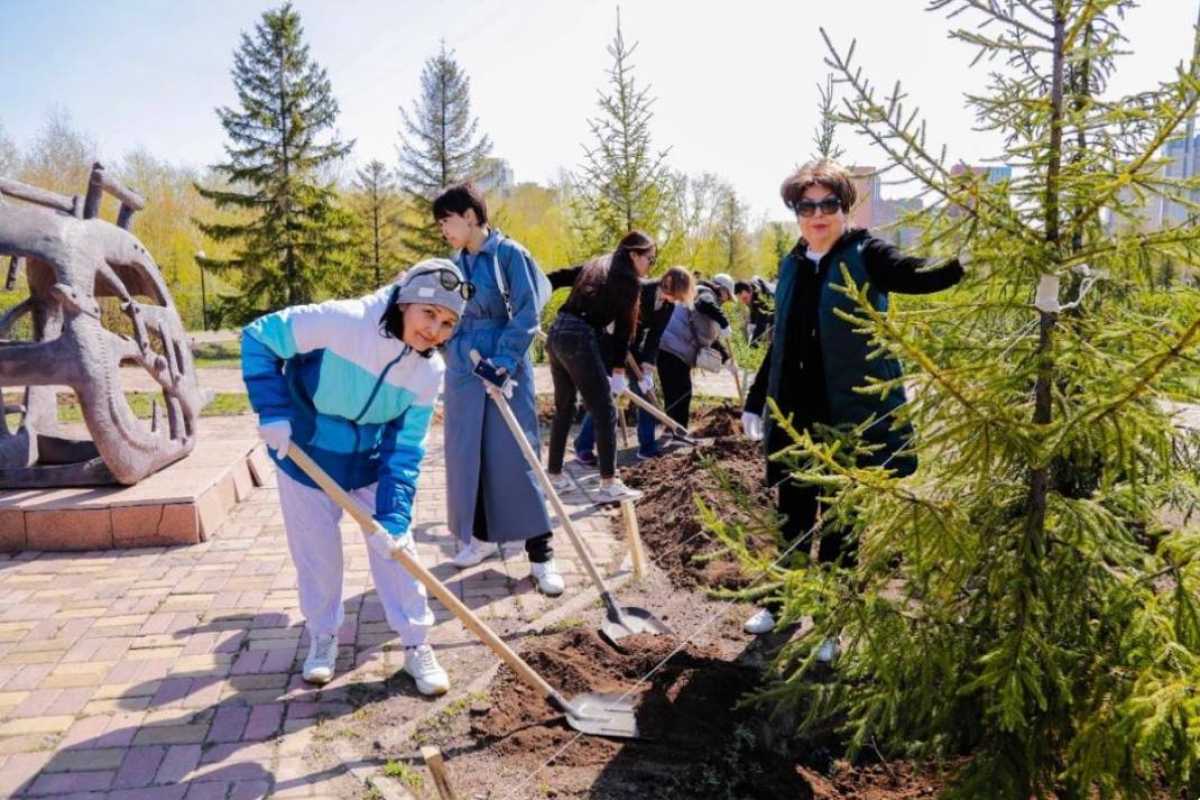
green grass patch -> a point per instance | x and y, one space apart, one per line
405 774
226 355
225 404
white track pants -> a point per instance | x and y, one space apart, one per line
310 518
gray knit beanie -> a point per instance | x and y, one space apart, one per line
426 282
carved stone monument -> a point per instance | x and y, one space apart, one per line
72 259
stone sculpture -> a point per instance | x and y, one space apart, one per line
72 259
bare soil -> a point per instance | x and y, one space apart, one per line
671 530
703 740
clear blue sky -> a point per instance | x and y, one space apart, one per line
735 81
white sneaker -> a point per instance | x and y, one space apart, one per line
473 553
423 666
763 621
828 651
322 655
615 492
546 576
562 483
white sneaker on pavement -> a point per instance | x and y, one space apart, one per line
828 651
473 553
763 621
322 655
562 483
547 579
422 665
615 492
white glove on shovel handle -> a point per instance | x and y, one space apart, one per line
752 426
277 435
618 383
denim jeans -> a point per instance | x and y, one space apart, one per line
646 429
577 367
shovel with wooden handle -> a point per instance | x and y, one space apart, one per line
619 621
653 410
597 713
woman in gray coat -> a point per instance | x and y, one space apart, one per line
492 494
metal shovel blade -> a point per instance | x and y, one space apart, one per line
603 714
629 620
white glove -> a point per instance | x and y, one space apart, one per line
385 545
277 435
618 383
646 382
752 426
509 385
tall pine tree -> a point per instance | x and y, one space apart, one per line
1028 600
376 206
440 146
291 235
624 183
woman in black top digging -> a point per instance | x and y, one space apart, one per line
817 359
659 297
606 292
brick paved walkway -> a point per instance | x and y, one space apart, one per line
174 673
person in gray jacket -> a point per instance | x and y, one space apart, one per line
692 335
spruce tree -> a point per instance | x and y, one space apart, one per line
1027 599
376 207
291 236
440 145
624 182
824 136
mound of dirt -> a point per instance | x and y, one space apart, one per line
694 734
667 513
718 422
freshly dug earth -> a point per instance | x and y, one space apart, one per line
667 513
697 742
719 422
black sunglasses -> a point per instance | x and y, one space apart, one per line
653 255
451 282
828 206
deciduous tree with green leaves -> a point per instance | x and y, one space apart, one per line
296 242
1028 599
440 145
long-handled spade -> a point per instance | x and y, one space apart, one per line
619 621
654 410
597 713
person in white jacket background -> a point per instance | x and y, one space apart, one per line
353 383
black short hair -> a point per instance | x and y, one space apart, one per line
457 199
742 286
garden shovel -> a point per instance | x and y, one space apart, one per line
619 621
596 713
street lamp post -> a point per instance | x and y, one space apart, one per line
203 295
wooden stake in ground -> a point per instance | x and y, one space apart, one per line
437 768
636 554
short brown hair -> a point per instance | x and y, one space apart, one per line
829 174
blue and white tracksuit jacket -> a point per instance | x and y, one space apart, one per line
359 402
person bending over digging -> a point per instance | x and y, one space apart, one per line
692 339
492 495
353 383
658 299
606 292
816 358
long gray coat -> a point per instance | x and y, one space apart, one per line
482 458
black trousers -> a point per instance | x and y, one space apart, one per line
577 367
676 377
537 547
800 505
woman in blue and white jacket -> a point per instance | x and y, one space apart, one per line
353 382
